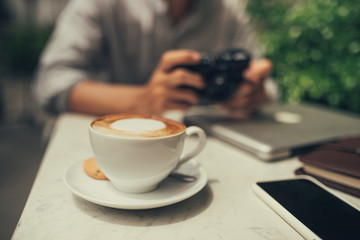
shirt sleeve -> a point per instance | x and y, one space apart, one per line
70 56
242 35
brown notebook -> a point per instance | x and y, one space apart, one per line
336 164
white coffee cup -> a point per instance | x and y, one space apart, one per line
137 152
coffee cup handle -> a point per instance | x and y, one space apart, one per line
193 130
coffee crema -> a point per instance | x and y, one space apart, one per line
136 125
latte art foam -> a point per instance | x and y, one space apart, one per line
137 126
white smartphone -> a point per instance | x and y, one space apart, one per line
310 209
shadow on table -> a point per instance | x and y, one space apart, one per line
151 217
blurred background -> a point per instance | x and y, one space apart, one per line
314 45
315 48
25 26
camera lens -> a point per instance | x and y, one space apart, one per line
219 80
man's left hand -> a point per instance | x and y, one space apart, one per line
251 93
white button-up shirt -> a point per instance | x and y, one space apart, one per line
125 39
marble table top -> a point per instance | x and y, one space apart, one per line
226 208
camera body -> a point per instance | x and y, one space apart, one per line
222 73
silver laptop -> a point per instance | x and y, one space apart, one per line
278 130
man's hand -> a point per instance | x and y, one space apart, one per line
251 94
162 92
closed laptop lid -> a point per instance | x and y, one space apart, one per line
277 130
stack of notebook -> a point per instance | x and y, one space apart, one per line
336 164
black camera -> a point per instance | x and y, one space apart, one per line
222 74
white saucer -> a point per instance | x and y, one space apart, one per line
102 192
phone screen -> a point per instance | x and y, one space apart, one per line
323 213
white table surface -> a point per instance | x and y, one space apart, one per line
225 209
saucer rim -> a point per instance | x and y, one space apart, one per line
185 194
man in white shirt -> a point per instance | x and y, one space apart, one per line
137 43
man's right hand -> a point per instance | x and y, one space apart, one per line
162 92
